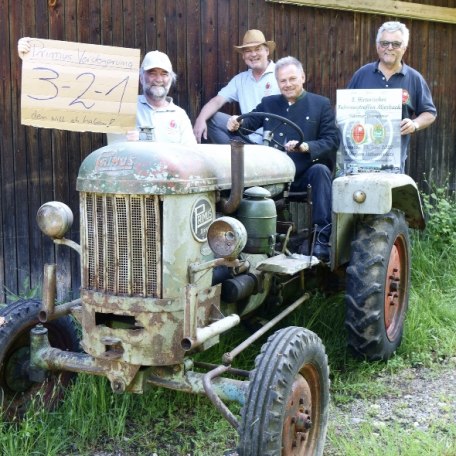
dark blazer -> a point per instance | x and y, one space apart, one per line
314 115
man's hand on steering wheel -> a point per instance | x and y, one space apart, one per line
235 124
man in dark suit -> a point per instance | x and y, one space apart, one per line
315 157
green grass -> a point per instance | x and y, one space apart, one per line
169 423
369 440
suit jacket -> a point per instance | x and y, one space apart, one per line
314 115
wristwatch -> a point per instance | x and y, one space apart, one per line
417 125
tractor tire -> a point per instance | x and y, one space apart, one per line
378 283
16 389
286 407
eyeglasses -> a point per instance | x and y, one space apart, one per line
387 44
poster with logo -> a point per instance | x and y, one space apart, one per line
369 123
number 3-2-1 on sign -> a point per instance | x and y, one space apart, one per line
79 87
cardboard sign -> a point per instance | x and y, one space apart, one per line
79 87
369 123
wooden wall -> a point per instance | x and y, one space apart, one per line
38 165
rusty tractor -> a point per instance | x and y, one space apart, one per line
178 246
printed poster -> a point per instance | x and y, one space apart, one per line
369 123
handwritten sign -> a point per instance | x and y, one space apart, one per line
369 123
79 87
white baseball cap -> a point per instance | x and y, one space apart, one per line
157 59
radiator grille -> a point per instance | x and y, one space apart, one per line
120 237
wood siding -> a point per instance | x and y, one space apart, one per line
39 165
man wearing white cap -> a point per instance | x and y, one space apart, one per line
157 111
247 88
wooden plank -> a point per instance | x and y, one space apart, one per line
384 7
209 45
18 188
35 248
150 26
6 152
193 65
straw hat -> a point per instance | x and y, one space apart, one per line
254 38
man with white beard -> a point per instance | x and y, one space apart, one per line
156 111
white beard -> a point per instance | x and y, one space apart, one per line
156 92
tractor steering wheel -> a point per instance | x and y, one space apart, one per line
268 136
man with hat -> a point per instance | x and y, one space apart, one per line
315 158
247 88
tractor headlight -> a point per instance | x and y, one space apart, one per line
227 237
54 219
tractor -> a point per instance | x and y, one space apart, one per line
178 245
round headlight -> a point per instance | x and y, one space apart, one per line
54 219
227 237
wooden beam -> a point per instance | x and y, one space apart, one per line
384 7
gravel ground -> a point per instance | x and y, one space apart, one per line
418 398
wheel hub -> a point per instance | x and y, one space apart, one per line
394 289
16 370
298 421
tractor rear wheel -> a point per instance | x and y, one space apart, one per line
16 389
286 407
378 283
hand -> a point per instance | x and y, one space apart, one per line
23 46
200 130
233 124
408 126
133 135
295 146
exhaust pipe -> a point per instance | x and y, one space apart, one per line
228 206
214 329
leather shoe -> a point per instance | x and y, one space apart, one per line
321 251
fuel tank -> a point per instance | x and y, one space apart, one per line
144 167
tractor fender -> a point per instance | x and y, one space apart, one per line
378 193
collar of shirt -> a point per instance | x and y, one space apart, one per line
403 71
171 107
269 69
303 94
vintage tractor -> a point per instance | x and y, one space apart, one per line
177 245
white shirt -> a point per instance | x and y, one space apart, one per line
169 124
247 91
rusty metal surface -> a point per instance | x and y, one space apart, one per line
297 420
121 244
142 167
144 331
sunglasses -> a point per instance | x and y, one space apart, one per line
387 44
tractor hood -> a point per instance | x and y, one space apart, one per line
142 167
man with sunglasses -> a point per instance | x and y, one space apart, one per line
390 71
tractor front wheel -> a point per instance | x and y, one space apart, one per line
286 408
